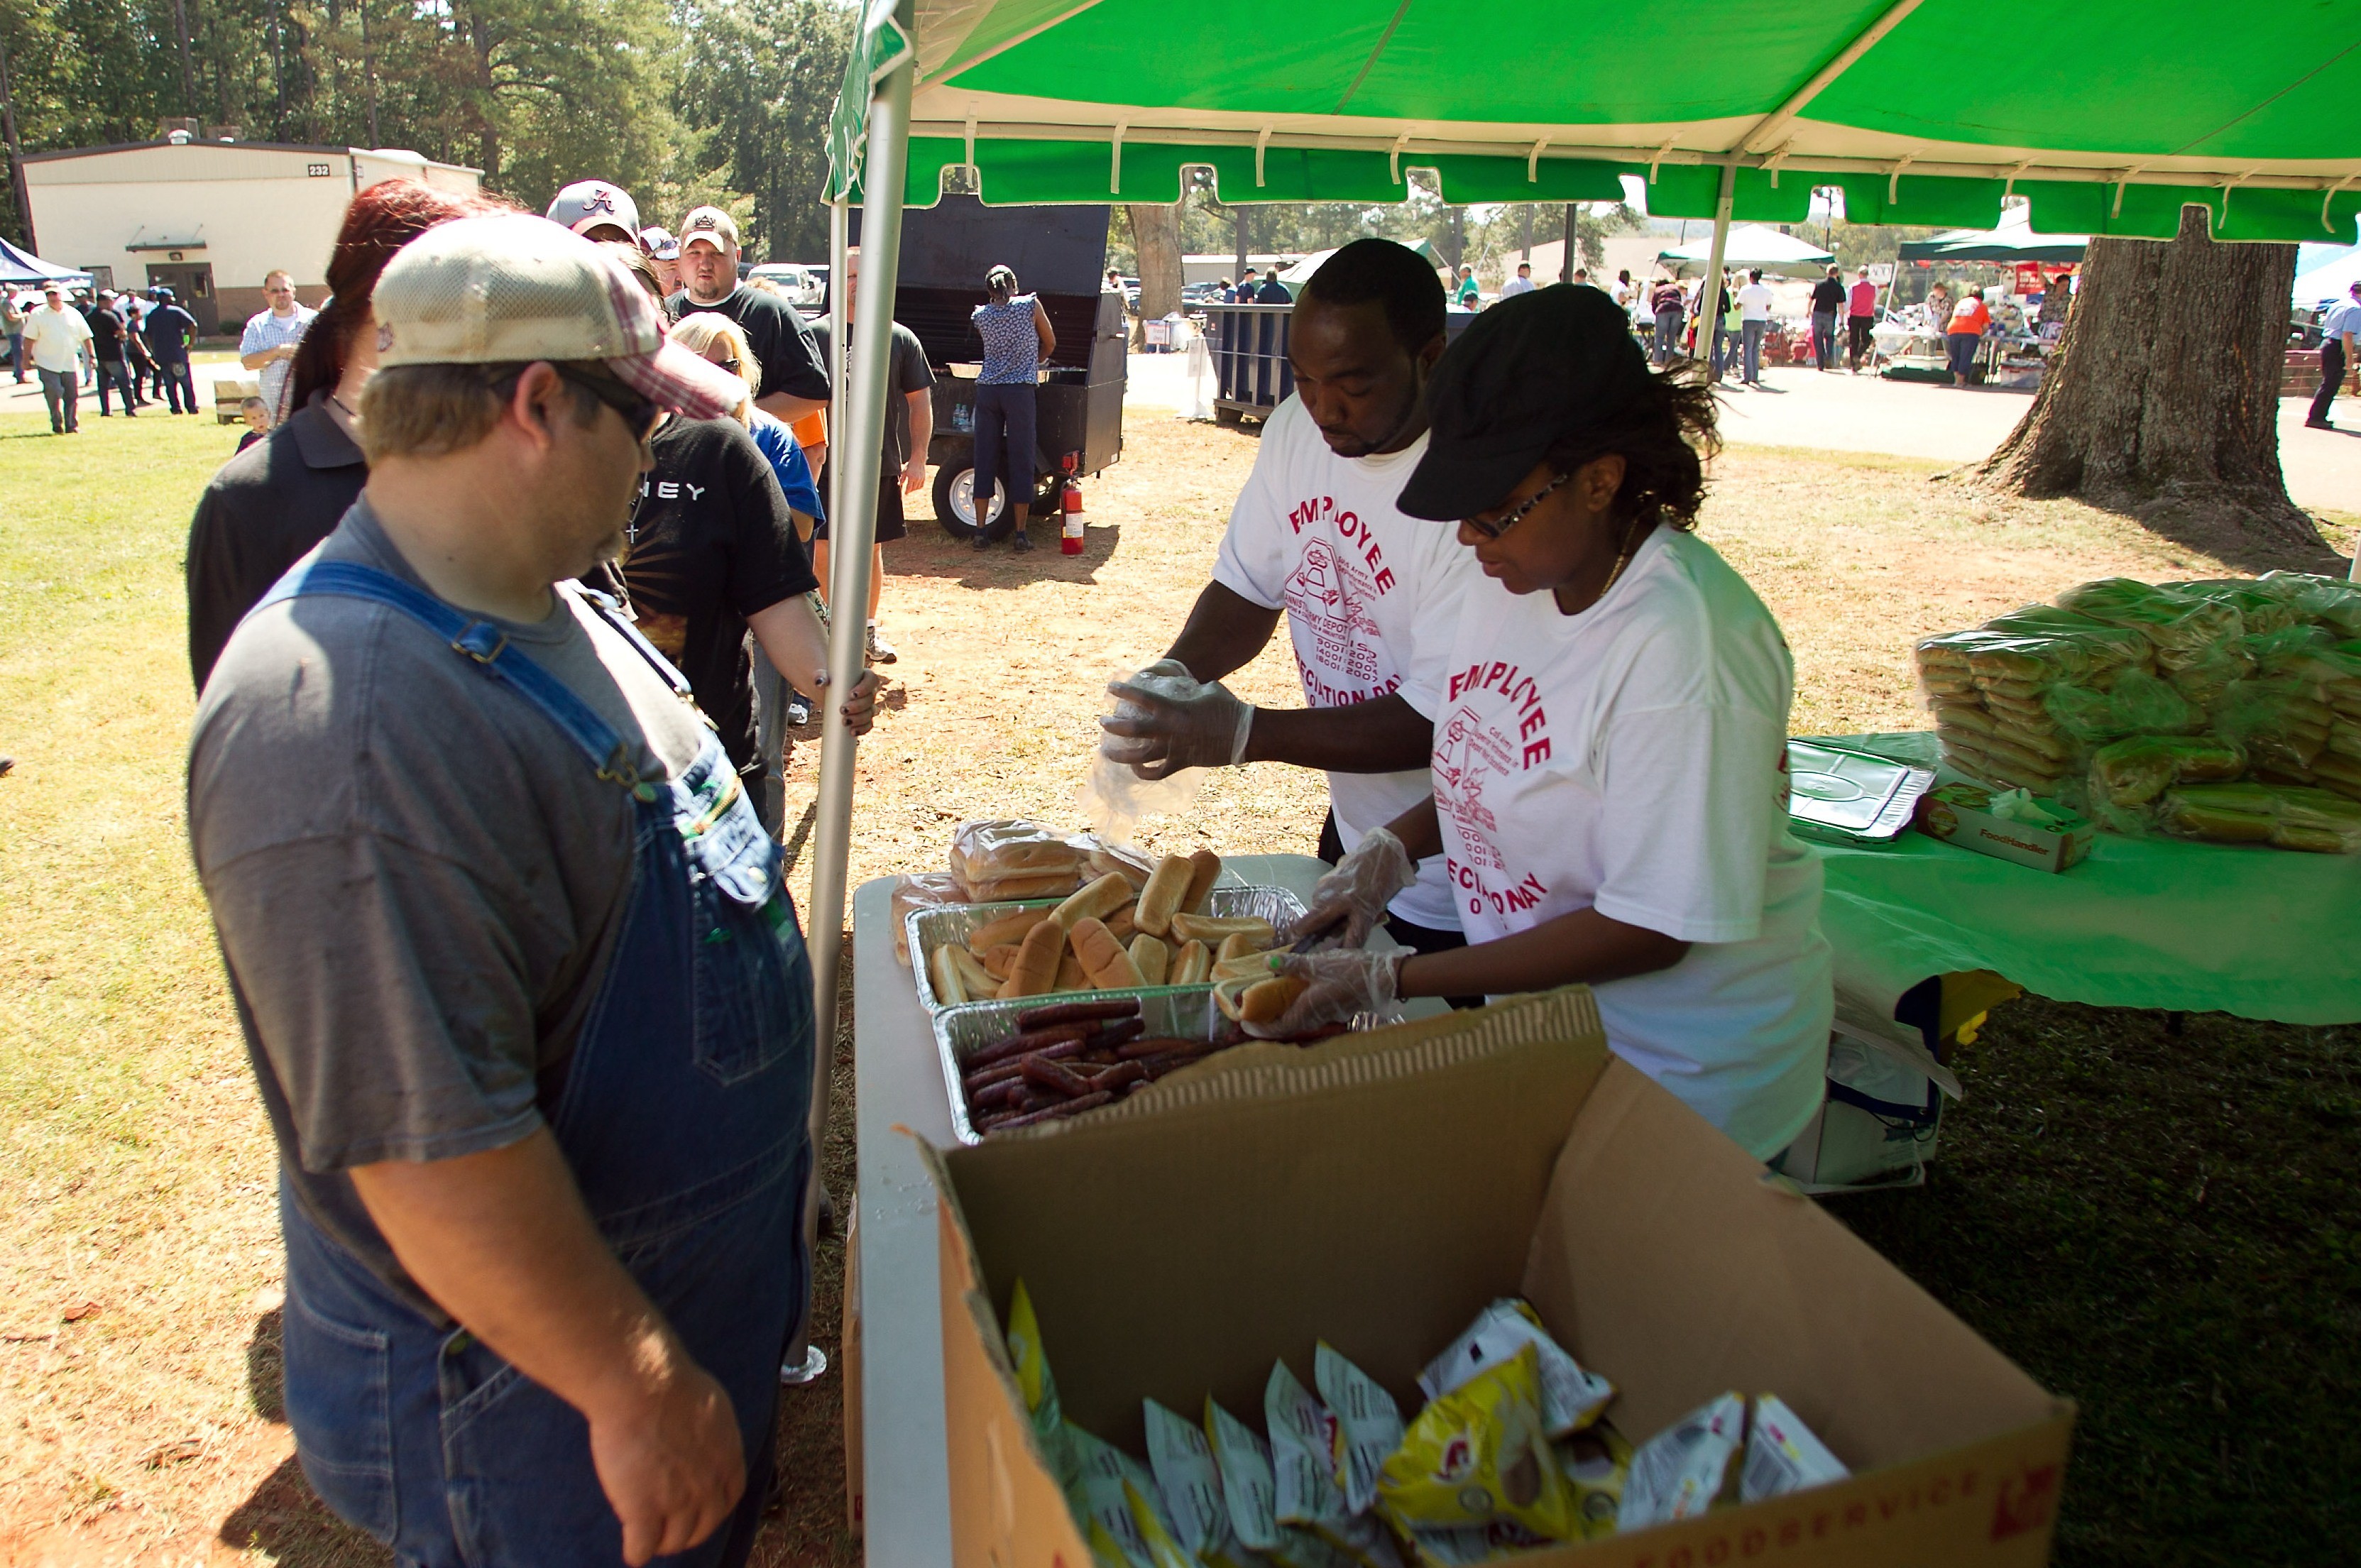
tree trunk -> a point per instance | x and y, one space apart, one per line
486 94
2163 399
1156 244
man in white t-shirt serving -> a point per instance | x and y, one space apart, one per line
1367 592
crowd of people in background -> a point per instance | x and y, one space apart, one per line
125 347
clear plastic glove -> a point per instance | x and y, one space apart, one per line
1349 903
1341 985
1164 720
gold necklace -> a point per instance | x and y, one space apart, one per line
1632 538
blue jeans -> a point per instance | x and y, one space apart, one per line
1003 429
1668 334
1959 348
1824 339
1752 333
117 373
61 391
179 387
684 1120
17 355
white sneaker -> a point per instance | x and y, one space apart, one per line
880 650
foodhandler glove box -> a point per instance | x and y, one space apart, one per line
1378 1192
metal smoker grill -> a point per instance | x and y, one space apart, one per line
1060 254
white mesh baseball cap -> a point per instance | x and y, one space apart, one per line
514 289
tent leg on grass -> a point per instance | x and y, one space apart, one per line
1708 291
856 452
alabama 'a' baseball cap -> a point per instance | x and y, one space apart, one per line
589 205
513 289
710 224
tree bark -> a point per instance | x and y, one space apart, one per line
2163 399
1156 242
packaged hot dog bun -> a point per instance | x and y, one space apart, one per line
1010 928
1037 961
1214 928
1204 870
1096 901
1164 895
1191 965
1102 958
988 852
1123 925
1132 869
925 889
1151 958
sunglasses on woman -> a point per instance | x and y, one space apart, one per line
1493 528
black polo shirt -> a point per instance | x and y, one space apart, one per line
263 511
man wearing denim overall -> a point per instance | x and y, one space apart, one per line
523 990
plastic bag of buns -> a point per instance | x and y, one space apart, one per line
1018 859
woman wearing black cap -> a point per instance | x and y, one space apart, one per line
1609 769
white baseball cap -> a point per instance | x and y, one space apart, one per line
588 204
513 289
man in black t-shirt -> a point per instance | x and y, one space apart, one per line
1828 303
901 466
712 552
106 348
793 383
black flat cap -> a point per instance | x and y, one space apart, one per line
1526 372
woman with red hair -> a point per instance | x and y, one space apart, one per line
277 499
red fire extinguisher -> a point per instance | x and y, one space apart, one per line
1070 503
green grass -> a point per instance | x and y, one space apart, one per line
2158 1217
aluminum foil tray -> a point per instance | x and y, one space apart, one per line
1186 1012
930 928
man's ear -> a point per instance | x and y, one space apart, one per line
534 405
1433 352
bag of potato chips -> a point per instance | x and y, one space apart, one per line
1040 1390
1683 1470
1249 1487
1302 1453
1571 1397
1479 1453
1368 1426
1596 1461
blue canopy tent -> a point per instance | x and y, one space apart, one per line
18 268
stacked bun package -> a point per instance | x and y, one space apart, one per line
2226 710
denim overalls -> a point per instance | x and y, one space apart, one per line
683 1119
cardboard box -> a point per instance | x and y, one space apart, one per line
1957 814
1376 1191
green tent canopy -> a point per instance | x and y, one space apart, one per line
2113 117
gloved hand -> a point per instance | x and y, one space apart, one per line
1347 903
1339 985
1166 720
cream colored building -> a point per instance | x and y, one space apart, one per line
209 219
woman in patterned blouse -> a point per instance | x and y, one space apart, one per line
1016 338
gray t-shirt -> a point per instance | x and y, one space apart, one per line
418 880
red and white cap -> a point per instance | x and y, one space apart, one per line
514 289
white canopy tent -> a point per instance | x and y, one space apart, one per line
1751 245
2329 280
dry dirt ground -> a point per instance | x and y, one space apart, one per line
139 1415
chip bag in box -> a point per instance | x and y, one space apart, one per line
1481 1453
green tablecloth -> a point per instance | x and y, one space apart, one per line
2245 930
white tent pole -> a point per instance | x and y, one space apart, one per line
839 242
1707 301
856 452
